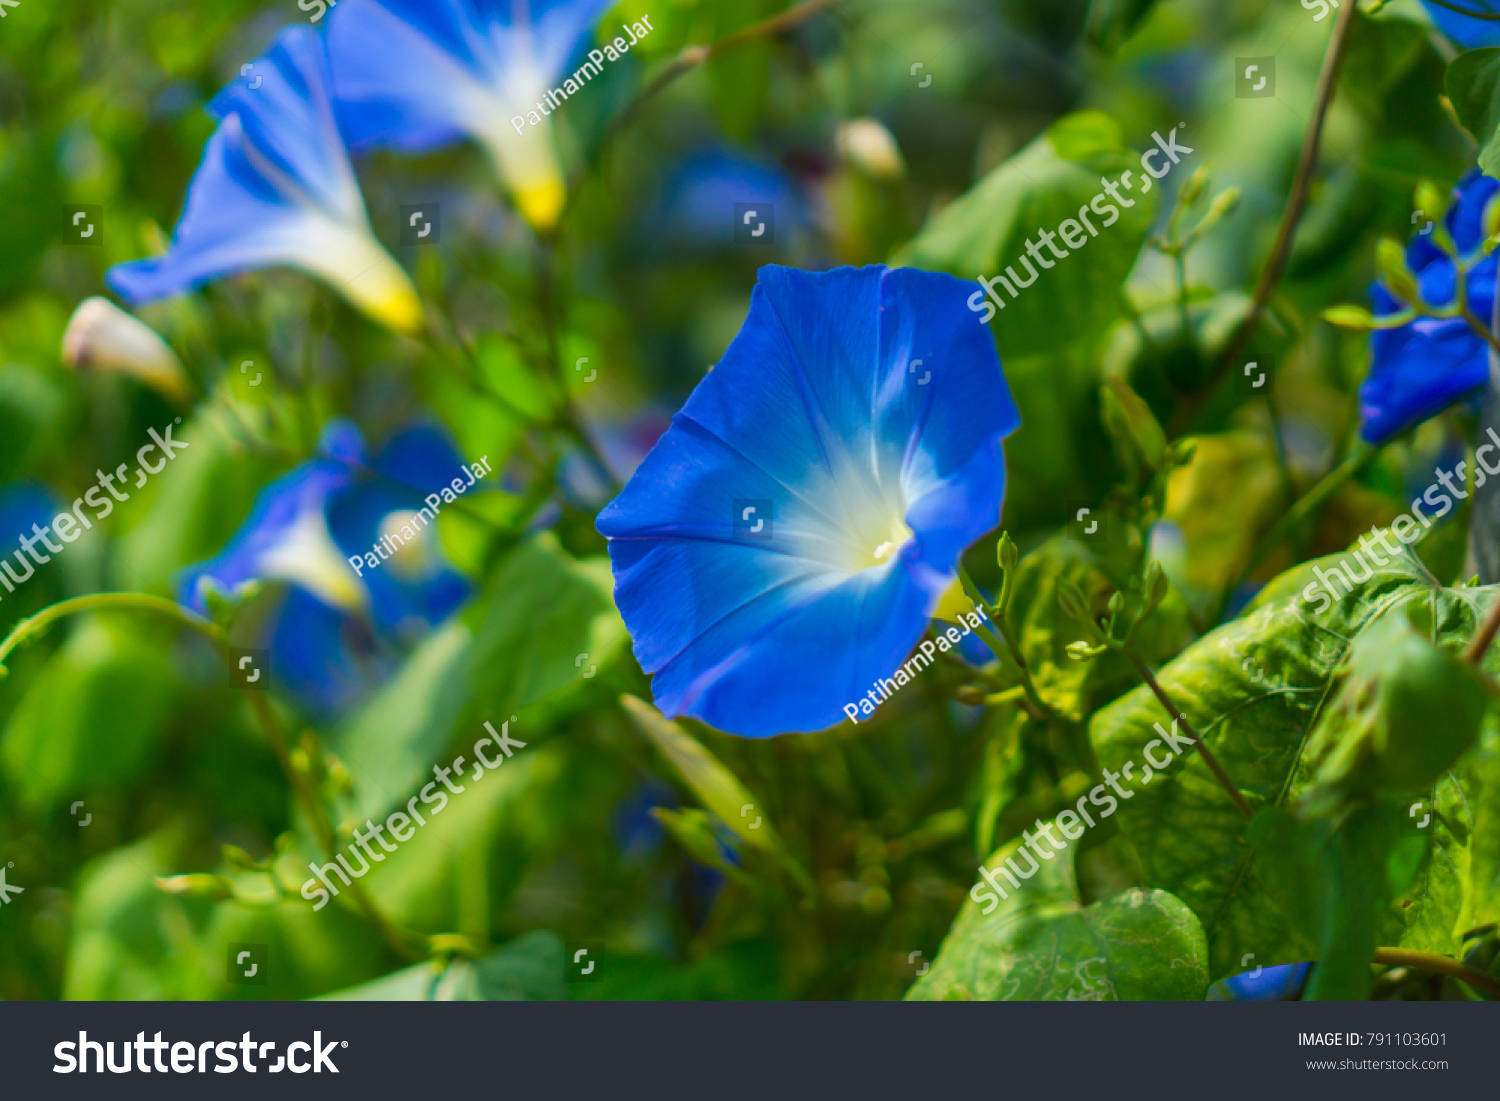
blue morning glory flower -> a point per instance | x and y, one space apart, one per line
1467 30
276 188
1422 368
418 74
784 543
1282 983
339 627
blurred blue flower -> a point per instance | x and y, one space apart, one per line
336 630
784 543
1467 30
1423 367
697 204
276 188
418 74
1282 983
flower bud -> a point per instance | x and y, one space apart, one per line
1390 262
102 336
868 145
1350 317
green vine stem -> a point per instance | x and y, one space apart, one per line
1035 705
316 813
1431 961
1178 717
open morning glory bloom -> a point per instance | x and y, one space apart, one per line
419 74
1480 29
1422 368
784 543
339 629
276 189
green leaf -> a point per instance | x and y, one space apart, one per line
715 786
508 374
1140 421
530 968
391 742
1335 885
545 621
94 715
1254 689
1049 181
1042 944
1473 84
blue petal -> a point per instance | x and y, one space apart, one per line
404 604
323 657
290 120
1282 983
1426 366
817 414
416 74
277 509
1463 29
422 457
276 188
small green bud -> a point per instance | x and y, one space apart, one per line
1431 204
196 885
970 694
1390 262
1196 185
1350 317
1225 203
1006 552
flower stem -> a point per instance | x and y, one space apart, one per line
1038 708
1443 965
1281 248
1179 718
312 807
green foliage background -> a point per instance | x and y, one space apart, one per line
872 833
